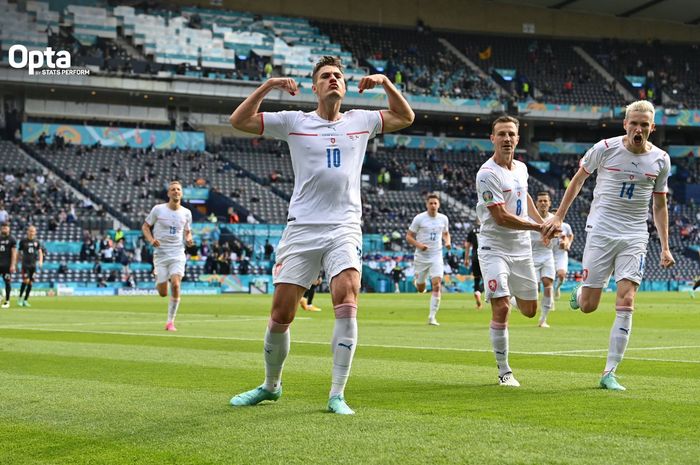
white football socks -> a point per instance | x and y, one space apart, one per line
499 340
173 305
619 337
343 345
277 341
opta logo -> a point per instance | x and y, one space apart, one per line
493 285
34 59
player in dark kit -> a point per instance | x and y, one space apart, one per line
8 260
471 254
32 254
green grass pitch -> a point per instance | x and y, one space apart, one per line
98 381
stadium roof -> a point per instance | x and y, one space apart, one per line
679 11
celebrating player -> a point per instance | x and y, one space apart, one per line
427 233
323 229
543 258
165 227
8 260
32 255
505 253
630 170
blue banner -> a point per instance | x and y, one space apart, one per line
564 147
680 151
114 137
447 143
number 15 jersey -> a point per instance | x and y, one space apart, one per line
624 186
327 159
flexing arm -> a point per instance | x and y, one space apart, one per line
411 239
660 208
399 115
246 117
553 223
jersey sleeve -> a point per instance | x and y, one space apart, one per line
661 183
152 217
278 124
375 123
488 186
447 225
593 158
415 225
188 222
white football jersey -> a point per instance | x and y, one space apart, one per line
327 159
541 252
498 185
625 184
169 227
428 230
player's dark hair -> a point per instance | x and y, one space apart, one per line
4 224
326 60
432 196
505 119
544 193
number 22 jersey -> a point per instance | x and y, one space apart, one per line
624 186
327 159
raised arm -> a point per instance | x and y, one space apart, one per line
399 115
660 208
246 117
553 223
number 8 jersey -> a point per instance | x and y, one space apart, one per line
497 185
625 184
327 159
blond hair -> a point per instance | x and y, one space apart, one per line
643 106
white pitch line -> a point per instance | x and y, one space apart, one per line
383 346
131 322
564 352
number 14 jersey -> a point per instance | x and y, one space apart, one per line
327 159
624 186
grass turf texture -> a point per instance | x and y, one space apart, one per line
98 381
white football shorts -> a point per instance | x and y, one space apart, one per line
508 276
604 256
561 260
304 250
168 266
430 269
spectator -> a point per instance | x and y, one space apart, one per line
269 250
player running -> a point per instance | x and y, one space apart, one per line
543 258
631 170
165 228
32 256
428 232
323 228
505 253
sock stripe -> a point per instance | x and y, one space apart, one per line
624 309
275 327
497 325
345 311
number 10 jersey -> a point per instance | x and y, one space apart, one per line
327 159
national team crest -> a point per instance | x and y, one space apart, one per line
332 140
585 273
492 285
488 196
276 269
